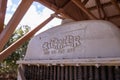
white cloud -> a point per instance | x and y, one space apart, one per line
10 10
7 18
9 4
33 18
14 7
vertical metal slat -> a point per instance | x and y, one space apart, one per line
54 72
97 73
62 73
117 73
86 75
91 73
75 72
103 73
80 73
70 73
110 73
66 72
58 72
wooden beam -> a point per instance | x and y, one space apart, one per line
62 12
103 5
9 29
114 2
101 9
47 4
84 9
3 5
60 17
55 8
104 13
114 16
85 2
5 53
98 4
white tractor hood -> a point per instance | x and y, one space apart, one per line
76 40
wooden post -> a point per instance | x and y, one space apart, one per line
5 53
9 29
84 9
3 5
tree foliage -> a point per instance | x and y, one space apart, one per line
9 65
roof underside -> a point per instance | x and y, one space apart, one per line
100 9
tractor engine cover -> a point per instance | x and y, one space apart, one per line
75 40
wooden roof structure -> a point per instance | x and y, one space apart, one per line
77 10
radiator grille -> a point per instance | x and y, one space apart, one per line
34 72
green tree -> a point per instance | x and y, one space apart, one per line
9 66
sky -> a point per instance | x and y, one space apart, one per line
35 15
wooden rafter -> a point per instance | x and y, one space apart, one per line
54 8
85 2
3 5
60 17
98 4
103 5
62 12
114 2
114 16
47 4
104 13
9 29
5 53
84 9
100 10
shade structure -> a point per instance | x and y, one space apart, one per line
86 9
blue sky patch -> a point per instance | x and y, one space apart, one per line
39 7
15 1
